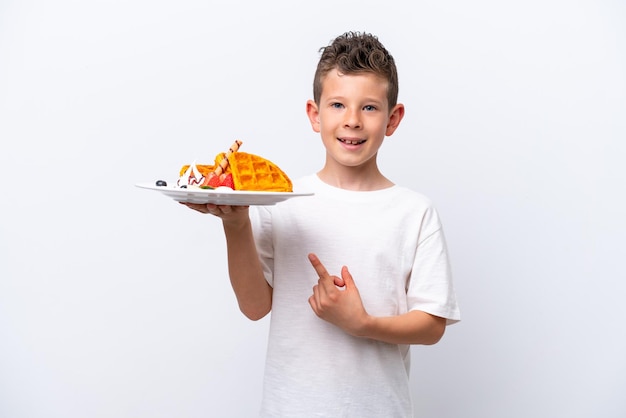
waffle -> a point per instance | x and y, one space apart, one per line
252 172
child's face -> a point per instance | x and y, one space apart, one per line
353 118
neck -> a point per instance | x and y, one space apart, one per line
354 179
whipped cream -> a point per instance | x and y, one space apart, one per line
191 177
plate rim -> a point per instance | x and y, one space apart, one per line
152 186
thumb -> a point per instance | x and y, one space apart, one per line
346 277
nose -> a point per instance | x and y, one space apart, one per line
352 119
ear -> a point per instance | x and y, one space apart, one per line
313 113
396 115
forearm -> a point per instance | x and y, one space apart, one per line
254 294
414 327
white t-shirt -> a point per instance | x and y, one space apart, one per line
393 244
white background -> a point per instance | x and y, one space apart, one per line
114 300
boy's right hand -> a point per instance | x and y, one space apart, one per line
226 212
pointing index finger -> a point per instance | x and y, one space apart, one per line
318 266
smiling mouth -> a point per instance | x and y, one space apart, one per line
352 141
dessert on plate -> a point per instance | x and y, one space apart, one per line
236 170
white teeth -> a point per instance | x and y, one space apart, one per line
357 142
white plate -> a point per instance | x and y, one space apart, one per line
222 196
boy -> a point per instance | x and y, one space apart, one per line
352 275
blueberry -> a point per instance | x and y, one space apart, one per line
161 183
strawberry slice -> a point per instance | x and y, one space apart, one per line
227 181
214 181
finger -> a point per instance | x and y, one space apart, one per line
195 206
315 298
313 304
211 208
318 266
225 209
346 278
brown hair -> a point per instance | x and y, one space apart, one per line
354 53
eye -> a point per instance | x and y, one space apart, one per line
369 108
336 105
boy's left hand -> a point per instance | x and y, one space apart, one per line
337 299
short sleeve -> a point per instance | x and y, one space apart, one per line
430 287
